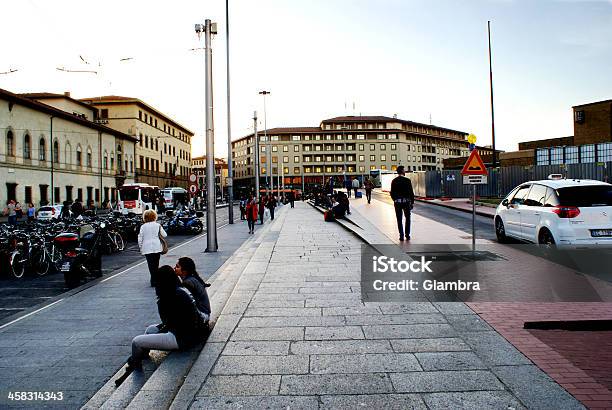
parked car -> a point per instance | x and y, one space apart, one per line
557 211
49 212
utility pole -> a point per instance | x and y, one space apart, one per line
52 163
256 157
230 180
269 177
493 162
211 215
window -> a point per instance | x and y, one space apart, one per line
79 158
41 149
27 150
296 148
360 136
56 152
542 156
263 148
140 140
571 155
285 148
372 167
106 160
383 157
556 155
393 157
295 138
372 157
285 160
362 158
89 164
393 147
372 147
104 113
361 168
146 118
587 153
274 160
296 170
317 148
140 115
285 170
296 159
536 196
383 147
520 195
10 144
604 152
361 147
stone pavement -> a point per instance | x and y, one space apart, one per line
461 204
295 334
75 344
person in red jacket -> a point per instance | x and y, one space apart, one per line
251 213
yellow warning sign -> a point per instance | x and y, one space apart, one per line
474 165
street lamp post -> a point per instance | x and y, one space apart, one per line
230 167
52 163
269 176
209 28
257 166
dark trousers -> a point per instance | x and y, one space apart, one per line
153 263
348 192
292 203
251 223
272 213
261 215
369 195
405 209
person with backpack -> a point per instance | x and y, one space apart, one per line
368 185
403 201
186 270
182 325
271 205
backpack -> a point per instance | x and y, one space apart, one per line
328 216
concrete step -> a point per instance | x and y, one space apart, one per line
162 377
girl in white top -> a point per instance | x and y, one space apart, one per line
149 242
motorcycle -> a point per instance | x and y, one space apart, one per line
80 255
183 223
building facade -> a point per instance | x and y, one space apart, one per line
221 173
342 147
51 150
163 150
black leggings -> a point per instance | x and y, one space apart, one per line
153 263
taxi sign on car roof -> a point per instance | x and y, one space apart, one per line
474 165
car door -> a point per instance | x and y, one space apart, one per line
513 213
531 212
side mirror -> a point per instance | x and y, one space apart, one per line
505 202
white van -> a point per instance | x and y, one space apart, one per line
174 195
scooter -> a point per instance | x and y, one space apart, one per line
80 255
182 223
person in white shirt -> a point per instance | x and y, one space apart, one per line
150 243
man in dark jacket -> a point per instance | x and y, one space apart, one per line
403 200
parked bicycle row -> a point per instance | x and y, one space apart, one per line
74 246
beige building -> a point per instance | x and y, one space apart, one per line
83 160
198 165
163 150
351 146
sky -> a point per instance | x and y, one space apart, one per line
424 60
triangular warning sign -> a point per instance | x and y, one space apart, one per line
474 165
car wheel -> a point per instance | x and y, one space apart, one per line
545 237
500 231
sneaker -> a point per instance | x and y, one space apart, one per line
408 237
401 238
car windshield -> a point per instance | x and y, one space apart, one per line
586 196
128 194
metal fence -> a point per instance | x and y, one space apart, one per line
501 180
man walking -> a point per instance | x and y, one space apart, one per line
403 200
292 198
368 185
348 185
271 205
355 186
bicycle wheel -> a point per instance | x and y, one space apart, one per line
17 264
42 262
119 243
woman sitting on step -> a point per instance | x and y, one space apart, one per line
182 325
186 270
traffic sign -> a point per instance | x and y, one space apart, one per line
193 188
474 165
475 180
193 178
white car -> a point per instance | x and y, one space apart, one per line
49 212
557 211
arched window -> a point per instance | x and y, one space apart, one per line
119 164
10 144
27 149
79 156
105 159
56 152
68 155
112 162
42 155
89 158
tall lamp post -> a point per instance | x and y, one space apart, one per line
230 167
52 163
257 166
209 28
269 176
